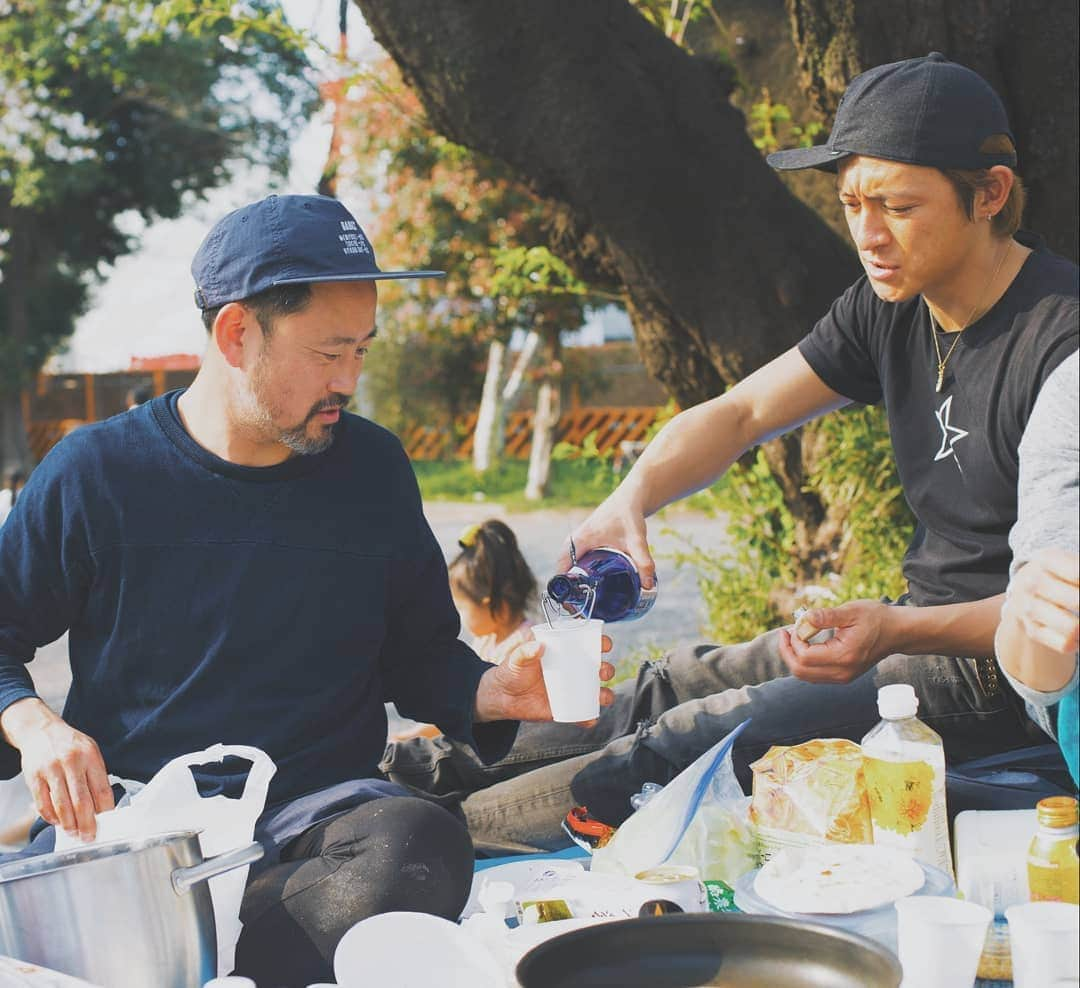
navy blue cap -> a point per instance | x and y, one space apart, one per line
922 111
284 240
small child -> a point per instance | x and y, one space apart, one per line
493 588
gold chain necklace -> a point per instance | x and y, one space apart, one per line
942 361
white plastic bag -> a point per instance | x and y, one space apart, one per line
171 801
697 819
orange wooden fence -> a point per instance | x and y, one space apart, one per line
611 426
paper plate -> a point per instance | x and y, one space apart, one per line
838 879
412 950
879 924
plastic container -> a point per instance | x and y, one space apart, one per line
604 583
1044 937
1053 868
940 940
904 765
570 663
991 856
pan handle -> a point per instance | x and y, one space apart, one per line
184 878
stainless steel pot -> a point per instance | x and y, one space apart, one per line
692 950
126 914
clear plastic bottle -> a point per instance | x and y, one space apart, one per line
604 583
904 765
1052 862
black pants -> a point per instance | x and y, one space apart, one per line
397 853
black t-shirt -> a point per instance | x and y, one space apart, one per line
956 450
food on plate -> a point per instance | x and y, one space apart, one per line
837 878
811 793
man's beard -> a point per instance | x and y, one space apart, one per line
256 412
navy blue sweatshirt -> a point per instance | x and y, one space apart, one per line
271 606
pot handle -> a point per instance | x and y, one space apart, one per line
184 878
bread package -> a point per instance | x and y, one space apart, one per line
811 793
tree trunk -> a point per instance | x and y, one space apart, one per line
517 377
490 418
498 397
545 422
662 191
595 108
1026 49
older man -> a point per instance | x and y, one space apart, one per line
246 562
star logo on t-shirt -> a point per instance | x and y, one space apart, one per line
950 434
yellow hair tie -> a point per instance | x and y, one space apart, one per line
467 539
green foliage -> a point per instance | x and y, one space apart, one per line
858 474
672 17
854 472
736 587
771 126
574 483
429 376
111 107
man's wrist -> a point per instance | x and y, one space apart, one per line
897 630
26 715
486 707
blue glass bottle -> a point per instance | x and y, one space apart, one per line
604 583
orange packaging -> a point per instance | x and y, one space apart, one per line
811 793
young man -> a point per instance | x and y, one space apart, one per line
955 326
246 562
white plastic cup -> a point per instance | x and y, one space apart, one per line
571 667
940 940
1043 937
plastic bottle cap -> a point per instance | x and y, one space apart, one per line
897 701
1057 811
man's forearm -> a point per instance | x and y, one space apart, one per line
688 454
948 629
699 444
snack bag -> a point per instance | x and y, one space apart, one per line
698 819
811 793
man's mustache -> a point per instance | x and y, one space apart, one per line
332 405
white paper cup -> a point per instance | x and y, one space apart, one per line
940 940
571 666
1043 936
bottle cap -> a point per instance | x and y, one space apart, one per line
1056 811
897 701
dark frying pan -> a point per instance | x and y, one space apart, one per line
691 950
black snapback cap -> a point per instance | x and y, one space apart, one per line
284 240
922 111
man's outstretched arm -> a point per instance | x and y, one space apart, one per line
869 630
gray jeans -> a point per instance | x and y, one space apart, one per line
675 711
